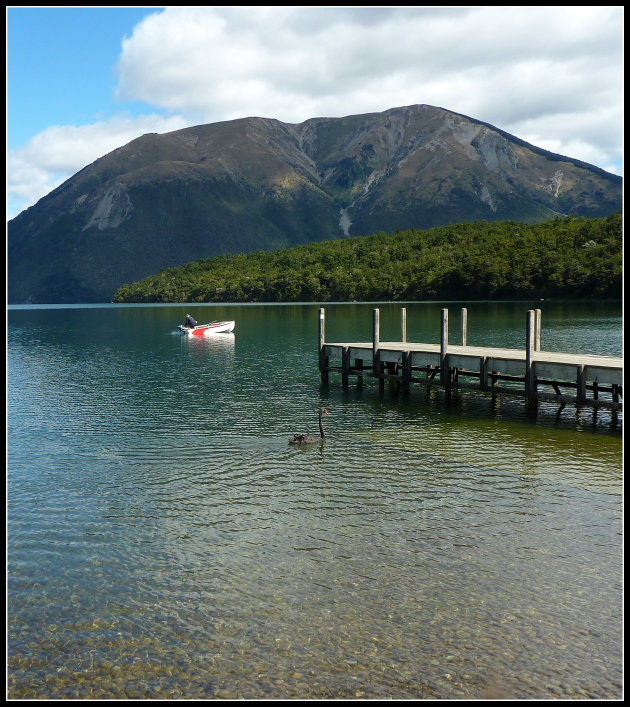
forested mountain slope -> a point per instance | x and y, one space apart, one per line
562 258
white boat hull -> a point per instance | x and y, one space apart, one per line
206 329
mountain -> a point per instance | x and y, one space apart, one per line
260 184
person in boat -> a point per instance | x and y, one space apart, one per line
190 322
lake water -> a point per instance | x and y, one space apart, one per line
165 540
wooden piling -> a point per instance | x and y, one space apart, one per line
530 344
581 384
377 367
323 358
403 324
406 371
464 326
538 328
345 366
444 371
483 373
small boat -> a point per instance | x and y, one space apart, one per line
204 329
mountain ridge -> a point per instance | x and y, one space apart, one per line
261 184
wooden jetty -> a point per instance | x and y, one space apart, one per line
581 379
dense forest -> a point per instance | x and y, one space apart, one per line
562 258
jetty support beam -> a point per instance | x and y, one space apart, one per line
538 328
377 366
345 366
530 343
323 358
444 368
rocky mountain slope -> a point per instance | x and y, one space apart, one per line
260 184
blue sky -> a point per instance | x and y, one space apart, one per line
61 65
83 81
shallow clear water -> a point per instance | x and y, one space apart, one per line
165 541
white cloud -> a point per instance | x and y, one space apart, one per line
591 136
550 75
52 156
194 59
508 66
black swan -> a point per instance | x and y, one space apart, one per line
309 439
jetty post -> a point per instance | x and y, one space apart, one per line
538 327
464 326
444 370
377 368
581 383
323 358
530 347
345 365
405 355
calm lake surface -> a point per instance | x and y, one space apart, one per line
166 542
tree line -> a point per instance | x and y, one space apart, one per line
565 257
